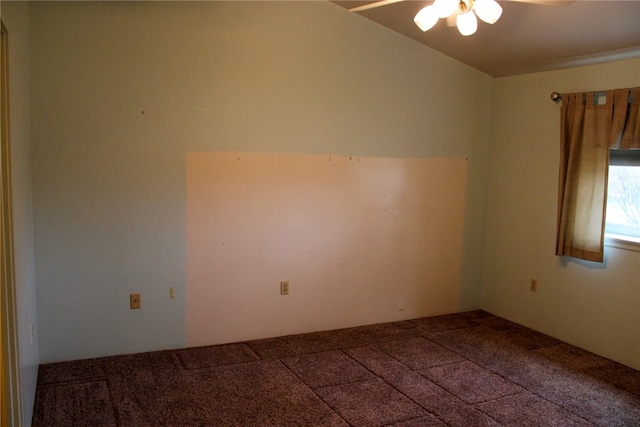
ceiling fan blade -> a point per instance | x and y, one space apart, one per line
373 5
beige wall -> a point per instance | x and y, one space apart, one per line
123 91
16 19
594 306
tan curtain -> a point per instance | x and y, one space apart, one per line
588 131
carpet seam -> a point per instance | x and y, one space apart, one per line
313 391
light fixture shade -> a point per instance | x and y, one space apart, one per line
446 7
488 10
467 23
426 18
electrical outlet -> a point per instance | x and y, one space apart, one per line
401 304
284 288
134 301
534 285
171 293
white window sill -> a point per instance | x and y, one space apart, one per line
622 242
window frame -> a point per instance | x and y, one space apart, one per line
623 158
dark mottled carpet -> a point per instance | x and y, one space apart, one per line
466 369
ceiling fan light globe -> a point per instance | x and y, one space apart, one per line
467 23
446 7
488 10
426 18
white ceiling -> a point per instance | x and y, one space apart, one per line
528 37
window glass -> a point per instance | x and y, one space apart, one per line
623 195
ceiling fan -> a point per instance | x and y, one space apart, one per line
461 13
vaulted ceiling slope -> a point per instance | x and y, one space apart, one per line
529 37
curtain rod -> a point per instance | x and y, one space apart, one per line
557 96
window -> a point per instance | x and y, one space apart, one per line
623 197
588 130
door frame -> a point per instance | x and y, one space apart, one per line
10 398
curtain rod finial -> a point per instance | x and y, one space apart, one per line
556 97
